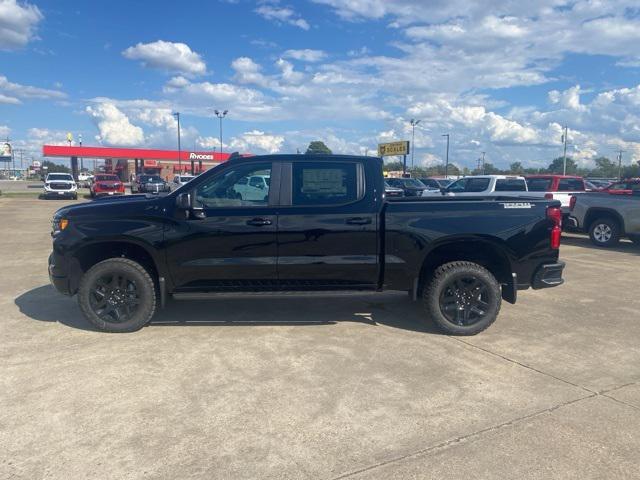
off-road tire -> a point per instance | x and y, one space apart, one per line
442 279
144 284
604 232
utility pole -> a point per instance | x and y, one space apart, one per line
479 161
620 152
81 159
413 139
483 162
446 162
177 115
221 115
564 155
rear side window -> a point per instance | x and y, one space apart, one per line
476 185
539 184
324 183
571 185
430 182
511 185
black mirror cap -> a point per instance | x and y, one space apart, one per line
183 201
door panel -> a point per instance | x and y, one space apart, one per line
234 241
329 233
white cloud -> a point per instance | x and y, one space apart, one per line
169 56
9 100
14 92
257 141
305 55
4 131
283 15
18 22
114 126
254 141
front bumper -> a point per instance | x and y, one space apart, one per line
60 193
548 275
63 274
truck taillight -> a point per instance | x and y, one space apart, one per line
555 214
572 202
548 196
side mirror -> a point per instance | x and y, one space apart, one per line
183 201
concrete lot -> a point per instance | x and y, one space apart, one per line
319 388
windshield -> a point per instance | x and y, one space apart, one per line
107 178
59 176
150 179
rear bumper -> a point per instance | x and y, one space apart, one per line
548 275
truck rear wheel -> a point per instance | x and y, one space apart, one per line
117 295
462 298
604 232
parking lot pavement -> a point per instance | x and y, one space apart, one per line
319 387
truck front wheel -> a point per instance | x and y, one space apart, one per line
604 232
117 295
462 298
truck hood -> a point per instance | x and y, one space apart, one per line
113 206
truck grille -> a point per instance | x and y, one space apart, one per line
60 186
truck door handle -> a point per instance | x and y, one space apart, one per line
359 221
259 222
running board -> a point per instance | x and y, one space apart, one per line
272 294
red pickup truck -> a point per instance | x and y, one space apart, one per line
106 184
625 187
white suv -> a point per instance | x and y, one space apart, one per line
484 186
60 185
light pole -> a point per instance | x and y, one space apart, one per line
81 159
620 152
220 116
446 162
413 138
177 115
564 155
483 162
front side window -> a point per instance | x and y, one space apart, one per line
539 184
324 183
457 186
232 187
476 185
510 185
570 185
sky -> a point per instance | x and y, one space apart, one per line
501 77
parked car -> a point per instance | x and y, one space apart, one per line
253 188
484 186
434 183
322 225
410 186
556 187
85 179
60 185
392 192
597 184
625 187
106 184
606 218
180 180
149 184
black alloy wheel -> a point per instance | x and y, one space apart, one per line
464 300
114 297
117 295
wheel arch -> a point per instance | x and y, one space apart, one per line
595 213
489 254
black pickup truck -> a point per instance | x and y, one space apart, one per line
313 223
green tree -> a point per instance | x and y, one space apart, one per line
55 167
318 147
557 166
516 168
604 168
392 166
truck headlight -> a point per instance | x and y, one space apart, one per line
58 224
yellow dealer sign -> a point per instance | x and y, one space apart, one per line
393 148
